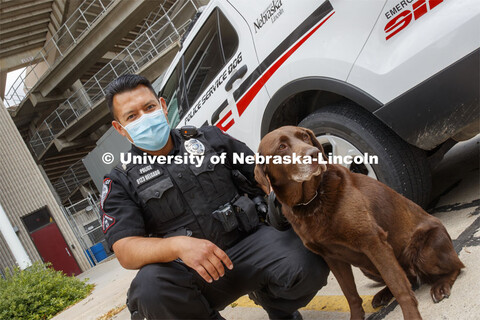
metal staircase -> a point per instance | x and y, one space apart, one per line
74 177
152 42
56 47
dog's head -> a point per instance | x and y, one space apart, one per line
290 180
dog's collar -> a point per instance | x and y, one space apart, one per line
307 203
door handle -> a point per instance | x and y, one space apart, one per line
68 252
237 75
217 112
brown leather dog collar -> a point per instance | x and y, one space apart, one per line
307 203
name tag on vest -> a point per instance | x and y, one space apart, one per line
145 169
148 177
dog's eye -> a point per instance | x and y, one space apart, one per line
281 146
306 137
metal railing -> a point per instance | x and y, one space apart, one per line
156 39
56 47
85 221
74 177
152 17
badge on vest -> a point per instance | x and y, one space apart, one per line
194 147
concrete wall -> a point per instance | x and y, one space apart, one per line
23 190
111 142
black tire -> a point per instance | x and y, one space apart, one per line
401 166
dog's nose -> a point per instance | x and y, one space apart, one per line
312 152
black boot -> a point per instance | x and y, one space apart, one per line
279 315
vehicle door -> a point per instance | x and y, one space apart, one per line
221 55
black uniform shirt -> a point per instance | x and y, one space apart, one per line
123 215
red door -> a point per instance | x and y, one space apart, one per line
53 248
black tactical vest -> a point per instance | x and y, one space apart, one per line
180 198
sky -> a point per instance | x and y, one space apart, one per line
11 77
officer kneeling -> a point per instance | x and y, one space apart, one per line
193 230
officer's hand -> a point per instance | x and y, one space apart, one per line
204 257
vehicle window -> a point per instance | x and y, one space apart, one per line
173 115
208 53
169 93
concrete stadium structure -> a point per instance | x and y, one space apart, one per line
55 109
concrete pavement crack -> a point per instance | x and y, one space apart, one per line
457 206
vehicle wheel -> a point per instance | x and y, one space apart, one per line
346 129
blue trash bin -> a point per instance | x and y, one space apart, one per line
99 252
90 259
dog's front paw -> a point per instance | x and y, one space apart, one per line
382 298
439 291
357 317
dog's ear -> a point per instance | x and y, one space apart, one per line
262 178
316 143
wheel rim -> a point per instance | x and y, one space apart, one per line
340 147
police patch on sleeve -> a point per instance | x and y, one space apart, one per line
107 222
106 188
194 147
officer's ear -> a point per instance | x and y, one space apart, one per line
119 128
163 104
262 178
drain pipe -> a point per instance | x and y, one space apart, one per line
13 242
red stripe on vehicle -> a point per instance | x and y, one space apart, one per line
245 101
221 124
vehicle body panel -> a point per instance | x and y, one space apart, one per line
341 47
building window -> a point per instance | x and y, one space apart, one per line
37 220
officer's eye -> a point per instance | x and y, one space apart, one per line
130 117
282 146
151 107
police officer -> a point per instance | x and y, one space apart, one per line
188 227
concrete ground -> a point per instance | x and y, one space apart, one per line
111 285
456 190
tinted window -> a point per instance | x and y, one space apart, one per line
169 93
206 56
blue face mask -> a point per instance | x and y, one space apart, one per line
149 132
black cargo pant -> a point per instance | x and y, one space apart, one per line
272 266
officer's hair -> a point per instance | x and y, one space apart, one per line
124 83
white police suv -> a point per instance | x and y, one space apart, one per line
395 78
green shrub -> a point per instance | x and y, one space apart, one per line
38 292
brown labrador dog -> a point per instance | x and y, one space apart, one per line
352 219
